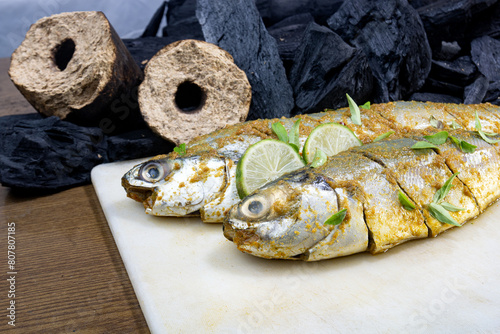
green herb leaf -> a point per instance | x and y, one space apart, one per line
355 113
463 145
455 140
444 190
435 123
405 201
181 149
423 144
336 218
319 159
451 207
366 105
280 131
383 136
438 138
483 134
486 139
295 147
478 123
437 211
293 136
466 147
455 125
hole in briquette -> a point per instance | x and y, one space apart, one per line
63 53
189 97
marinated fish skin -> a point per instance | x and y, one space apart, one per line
230 143
479 171
420 174
356 171
388 222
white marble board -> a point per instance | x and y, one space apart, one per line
189 279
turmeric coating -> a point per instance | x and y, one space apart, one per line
365 181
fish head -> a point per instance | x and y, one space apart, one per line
283 219
176 186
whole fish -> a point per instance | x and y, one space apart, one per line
202 180
286 218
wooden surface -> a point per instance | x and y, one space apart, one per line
69 274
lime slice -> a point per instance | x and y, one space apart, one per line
331 138
263 162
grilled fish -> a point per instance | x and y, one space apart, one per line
202 181
286 218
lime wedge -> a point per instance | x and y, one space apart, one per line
331 138
263 162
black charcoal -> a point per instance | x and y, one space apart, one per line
49 154
237 27
276 11
476 91
446 20
447 51
443 87
144 48
393 39
487 23
288 34
154 24
136 144
325 69
460 71
420 3
485 53
493 93
434 97
181 20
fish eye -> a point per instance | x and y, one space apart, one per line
255 207
153 171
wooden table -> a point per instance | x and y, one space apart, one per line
69 274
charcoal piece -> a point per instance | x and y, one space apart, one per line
446 20
288 34
320 78
486 23
275 11
460 71
476 91
294 20
442 87
420 3
154 24
47 153
448 51
136 144
392 36
181 20
434 97
144 48
485 53
236 27
493 93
